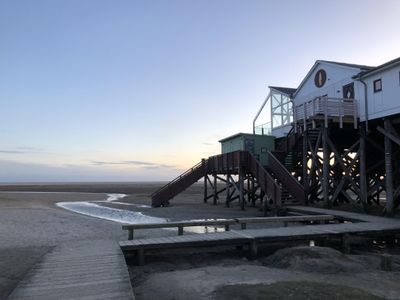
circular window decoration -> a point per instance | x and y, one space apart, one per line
320 78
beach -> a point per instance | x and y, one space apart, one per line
32 225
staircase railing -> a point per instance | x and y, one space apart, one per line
179 184
223 163
265 180
288 181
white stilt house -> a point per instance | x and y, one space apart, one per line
339 133
334 91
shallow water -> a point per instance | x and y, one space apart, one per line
92 209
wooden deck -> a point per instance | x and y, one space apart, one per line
366 225
78 270
227 223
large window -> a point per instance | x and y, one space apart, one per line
281 110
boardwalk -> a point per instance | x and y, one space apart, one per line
366 225
78 270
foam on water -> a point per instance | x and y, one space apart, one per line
93 209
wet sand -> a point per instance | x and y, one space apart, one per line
32 225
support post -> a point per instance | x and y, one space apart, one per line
388 171
248 189
228 189
346 247
215 198
140 257
253 249
363 171
325 168
205 189
253 192
180 230
305 175
241 188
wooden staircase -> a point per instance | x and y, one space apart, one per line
179 184
274 180
292 192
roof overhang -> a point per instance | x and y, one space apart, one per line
388 65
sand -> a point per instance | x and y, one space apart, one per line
31 226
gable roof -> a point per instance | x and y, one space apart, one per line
284 90
381 67
354 66
363 67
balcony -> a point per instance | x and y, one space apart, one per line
327 109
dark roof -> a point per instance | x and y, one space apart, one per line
364 67
234 136
388 64
284 90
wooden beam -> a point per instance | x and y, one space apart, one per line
388 170
241 188
325 168
228 189
215 198
386 132
205 188
363 171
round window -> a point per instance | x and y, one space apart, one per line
320 78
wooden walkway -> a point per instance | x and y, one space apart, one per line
78 270
367 225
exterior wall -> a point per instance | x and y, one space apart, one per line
387 101
258 145
337 77
233 144
380 104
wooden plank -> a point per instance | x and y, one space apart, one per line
367 225
72 272
178 223
286 219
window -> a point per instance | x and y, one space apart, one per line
348 91
281 110
377 85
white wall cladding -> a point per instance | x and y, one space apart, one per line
380 104
387 101
337 77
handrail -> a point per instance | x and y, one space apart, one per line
233 161
284 176
178 178
328 107
265 180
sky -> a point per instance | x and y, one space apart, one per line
95 90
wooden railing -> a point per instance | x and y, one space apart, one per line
227 223
179 184
267 183
234 162
225 162
288 181
327 107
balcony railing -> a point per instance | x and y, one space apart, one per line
327 108
263 129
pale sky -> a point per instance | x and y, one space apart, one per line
95 90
